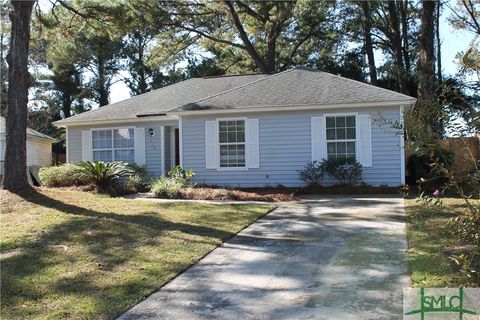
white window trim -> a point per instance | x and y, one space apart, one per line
357 130
112 148
219 168
67 149
402 146
180 138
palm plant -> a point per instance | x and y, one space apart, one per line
103 174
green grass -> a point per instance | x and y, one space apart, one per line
428 232
78 255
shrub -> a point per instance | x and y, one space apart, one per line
346 174
312 173
66 175
422 165
138 181
166 187
170 186
180 174
103 174
136 169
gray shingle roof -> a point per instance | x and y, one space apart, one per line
158 102
296 87
30 132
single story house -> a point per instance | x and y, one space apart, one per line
249 130
39 147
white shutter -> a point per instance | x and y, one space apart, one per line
319 139
211 145
252 152
364 152
87 145
139 144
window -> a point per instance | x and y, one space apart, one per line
232 143
113 145
341 135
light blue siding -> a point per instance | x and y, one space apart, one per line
153 154
285 148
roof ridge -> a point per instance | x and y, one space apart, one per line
241 86
232 75
363 83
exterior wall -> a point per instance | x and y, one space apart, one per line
153 145
285 148
39 152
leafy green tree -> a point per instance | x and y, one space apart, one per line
466 16
264 36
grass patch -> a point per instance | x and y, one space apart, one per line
77 255
428 233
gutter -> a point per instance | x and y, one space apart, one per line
139 119
409 102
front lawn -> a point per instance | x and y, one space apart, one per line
429 233
76 255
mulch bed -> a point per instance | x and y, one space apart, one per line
279 194
263 194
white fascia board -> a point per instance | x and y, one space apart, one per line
296 107
59 124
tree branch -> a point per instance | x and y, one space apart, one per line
205 35
251 12
243 35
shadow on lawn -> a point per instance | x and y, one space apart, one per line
102 243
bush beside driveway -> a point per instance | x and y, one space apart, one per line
72 254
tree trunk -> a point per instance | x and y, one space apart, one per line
438 42
404 23
103 90
15 175
397 45
426 61
368 42
67 105
259 62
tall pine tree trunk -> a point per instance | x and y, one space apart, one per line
19 80
397 46
405 32
368 42
428 109
426 61
438 42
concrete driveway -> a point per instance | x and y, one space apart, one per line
329 258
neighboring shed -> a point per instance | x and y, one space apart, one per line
39 147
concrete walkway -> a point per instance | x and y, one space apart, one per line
330 258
